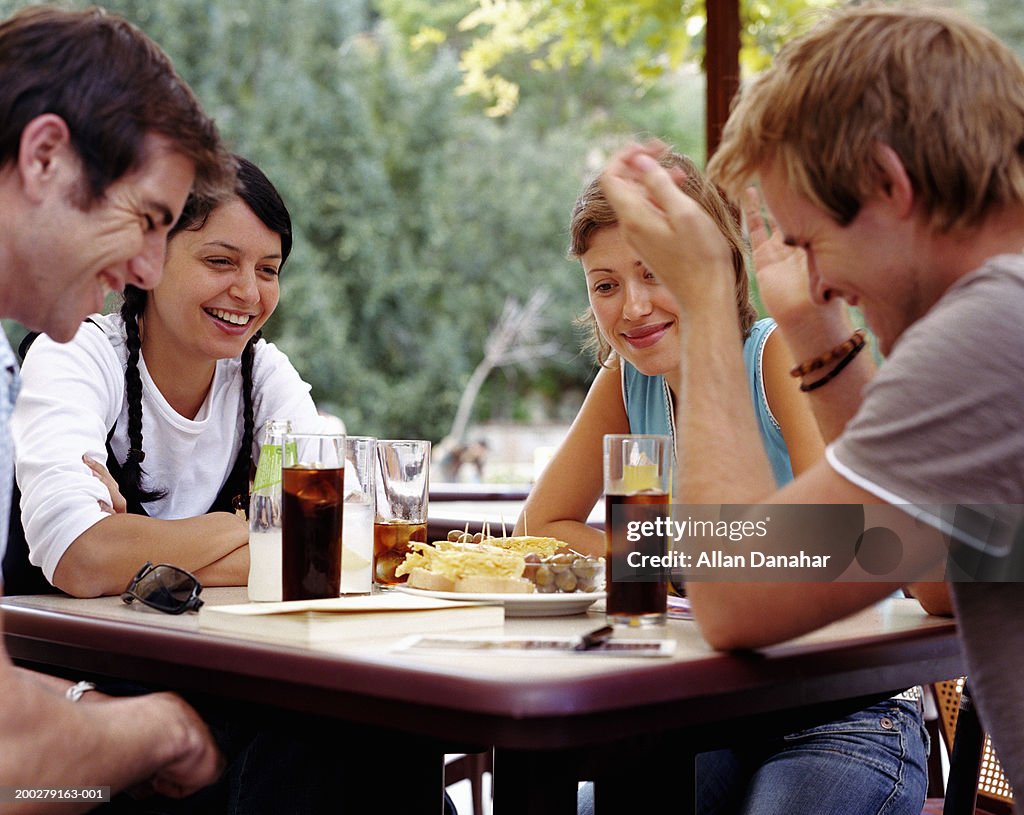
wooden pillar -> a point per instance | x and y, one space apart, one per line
721 65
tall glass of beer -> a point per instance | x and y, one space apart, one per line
637 485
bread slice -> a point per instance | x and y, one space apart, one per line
420 578
490 584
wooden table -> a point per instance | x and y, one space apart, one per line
553 721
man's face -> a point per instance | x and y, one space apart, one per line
118 239
869 262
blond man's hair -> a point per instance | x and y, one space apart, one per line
592 211
943 93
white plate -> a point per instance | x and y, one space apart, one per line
523 605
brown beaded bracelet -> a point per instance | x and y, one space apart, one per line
818 362
817 383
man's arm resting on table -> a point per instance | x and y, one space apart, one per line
751 615
719 436
48 741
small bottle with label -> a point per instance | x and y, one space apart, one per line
265 515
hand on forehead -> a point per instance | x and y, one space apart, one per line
669 230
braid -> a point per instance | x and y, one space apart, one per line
245 459
131 471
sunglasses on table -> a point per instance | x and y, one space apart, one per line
165 588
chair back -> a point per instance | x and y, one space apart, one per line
994 794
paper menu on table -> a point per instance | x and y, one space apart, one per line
533 646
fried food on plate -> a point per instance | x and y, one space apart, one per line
465 567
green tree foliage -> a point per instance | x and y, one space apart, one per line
658 36
654 36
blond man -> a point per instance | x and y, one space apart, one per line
889 146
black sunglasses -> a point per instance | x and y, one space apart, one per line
165 588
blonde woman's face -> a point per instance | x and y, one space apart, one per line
635 314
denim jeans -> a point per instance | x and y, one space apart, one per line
872 762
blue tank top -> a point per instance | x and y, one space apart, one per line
649 405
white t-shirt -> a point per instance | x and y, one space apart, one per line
72 395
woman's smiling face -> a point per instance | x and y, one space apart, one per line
635 314
220 284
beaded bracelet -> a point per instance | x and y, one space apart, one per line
840 350
817 383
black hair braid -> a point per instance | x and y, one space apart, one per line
244 462
131 471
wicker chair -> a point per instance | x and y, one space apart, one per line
976 782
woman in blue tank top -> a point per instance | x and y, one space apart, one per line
869 762
635 333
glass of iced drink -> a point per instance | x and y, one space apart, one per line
312 480
360 499
637 483
402 484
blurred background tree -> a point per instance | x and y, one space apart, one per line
419 212
656 37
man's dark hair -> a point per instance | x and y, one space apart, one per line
112 86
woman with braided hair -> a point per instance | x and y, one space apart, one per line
166 394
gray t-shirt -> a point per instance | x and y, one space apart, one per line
943 423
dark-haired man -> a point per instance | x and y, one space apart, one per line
100 143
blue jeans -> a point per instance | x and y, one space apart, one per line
872 762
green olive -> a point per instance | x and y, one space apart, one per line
566 581
543 576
